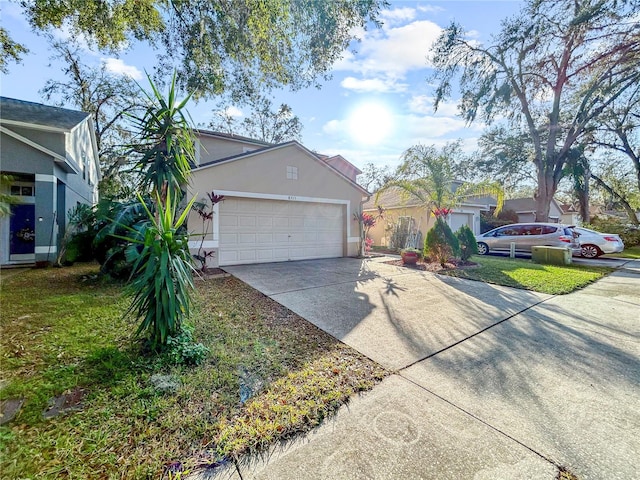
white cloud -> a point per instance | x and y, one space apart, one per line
381 85
393 51
233 111
118 67
430 9
397 15
333 127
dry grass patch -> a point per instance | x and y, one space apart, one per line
63 328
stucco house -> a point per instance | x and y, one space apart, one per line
51 157
281 202
407 220
525 208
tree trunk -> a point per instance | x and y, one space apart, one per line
625 204
544 194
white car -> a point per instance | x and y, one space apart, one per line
595 243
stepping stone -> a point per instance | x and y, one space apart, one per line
9 409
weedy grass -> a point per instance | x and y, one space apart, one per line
64 328
629 252
525 274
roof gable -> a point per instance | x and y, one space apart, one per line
271 148
13 111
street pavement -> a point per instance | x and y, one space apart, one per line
489 382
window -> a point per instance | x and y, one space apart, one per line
292 173
22 190
546 229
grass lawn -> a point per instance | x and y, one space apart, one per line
629 252
64 328
530 276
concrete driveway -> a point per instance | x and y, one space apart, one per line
491 382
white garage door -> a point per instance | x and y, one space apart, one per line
456 220
261 231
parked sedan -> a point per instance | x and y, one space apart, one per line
593 244
527 235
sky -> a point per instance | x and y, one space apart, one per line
377 104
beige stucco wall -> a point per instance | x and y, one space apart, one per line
424 221
264 175
209 148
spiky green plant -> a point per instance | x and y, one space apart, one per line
162 279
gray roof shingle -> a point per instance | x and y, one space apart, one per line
15 110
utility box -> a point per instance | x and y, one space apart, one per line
551 255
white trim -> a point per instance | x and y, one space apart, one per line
35 126
46 249
205 133
22 257
274 196
33 144
193 244
353 239
40 177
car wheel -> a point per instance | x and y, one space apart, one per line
590 251
483 248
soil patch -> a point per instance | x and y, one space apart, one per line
435 267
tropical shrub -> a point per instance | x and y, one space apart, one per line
440 243
467 240
489 221
161 279
630 234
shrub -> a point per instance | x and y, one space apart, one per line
468 245
629 233
488 221
441 243
181 350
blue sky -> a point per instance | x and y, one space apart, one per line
377 104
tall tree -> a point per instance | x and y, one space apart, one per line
10 50
263 122
551 71
237 45
108 98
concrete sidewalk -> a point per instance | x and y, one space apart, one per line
491 382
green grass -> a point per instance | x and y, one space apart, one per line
64 328
629 252
527 275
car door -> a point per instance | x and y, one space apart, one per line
504 236
530 236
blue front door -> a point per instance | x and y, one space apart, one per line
22 230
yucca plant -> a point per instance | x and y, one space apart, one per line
162 280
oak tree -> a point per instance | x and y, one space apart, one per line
551 71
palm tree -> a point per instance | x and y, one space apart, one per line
427 174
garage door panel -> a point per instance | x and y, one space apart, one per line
247 238
228 221
265 222
228 238
255 230
247 221
262 238
280 222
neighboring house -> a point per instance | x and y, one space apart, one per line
570 214
50 153
404 216
281 202
525 208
